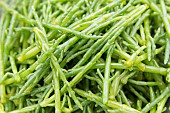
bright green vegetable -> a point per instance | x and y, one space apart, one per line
84 56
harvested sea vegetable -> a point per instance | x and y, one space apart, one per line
84 56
